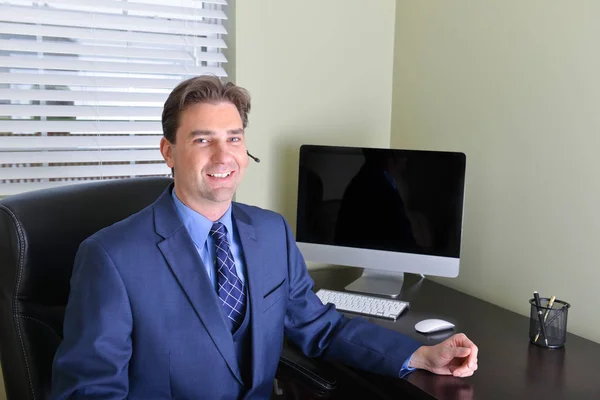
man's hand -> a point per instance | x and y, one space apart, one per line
455 356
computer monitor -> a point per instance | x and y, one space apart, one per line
388 211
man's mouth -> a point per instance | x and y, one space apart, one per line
221 175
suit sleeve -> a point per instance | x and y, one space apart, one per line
321 331
92 360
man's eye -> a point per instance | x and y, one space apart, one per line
235 139
201 140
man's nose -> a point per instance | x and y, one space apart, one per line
221 153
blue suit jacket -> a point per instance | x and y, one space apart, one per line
143 320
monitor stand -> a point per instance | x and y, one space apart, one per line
380 283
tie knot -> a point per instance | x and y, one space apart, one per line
218 231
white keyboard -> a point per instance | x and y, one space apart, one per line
365 305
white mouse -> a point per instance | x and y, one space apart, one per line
433 325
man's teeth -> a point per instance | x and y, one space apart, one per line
224 175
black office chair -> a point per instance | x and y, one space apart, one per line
39 235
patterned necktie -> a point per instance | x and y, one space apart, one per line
229 286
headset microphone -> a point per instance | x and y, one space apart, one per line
252 157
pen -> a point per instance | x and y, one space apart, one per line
550 304
538 306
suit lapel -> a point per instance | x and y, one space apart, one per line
185 263
254 275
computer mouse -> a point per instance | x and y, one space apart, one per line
433 325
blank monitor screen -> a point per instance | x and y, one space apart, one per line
407 201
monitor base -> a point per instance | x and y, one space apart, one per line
379 283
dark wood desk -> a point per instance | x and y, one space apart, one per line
509 366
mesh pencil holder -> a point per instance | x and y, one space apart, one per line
554 334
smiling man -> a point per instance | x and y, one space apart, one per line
210 153
191 297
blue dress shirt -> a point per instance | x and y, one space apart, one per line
198 226
405 370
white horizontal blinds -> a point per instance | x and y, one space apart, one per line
83 83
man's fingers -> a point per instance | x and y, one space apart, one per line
464 371
473 356
464 374
466 342
461 352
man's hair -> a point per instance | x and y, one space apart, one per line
202 89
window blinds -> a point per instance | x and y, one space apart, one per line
83 82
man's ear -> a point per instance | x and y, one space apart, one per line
166 149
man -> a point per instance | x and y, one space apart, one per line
190 297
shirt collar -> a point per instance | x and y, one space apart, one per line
197 225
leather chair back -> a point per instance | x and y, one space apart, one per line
40 233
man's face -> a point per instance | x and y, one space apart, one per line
209 155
